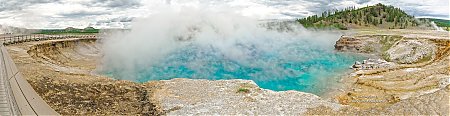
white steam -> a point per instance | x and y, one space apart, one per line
14 30
436 27
151 39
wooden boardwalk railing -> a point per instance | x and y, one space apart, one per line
14 39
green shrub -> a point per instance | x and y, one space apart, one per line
243 90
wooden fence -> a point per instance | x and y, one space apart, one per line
14 39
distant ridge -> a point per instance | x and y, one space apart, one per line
376 16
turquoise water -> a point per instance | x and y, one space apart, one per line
297 65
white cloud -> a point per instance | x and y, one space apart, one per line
103 13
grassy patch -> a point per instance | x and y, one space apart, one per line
325 26
243 90
425 59
446 28
440 22
386 56
388 41
339 26
369 48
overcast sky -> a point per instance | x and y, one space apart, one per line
119 13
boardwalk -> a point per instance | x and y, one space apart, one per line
7 102
7 106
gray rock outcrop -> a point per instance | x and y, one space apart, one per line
227 97
411 51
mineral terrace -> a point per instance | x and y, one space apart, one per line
407 73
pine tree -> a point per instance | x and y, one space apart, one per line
395 23
406 24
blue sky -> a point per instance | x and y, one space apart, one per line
119 13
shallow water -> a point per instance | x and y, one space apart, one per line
296 65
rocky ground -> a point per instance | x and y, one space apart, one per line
61 72
232 97
409 74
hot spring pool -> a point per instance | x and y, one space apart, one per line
296 65
216 45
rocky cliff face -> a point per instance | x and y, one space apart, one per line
349 43
394 48
366 43
57 52
411 76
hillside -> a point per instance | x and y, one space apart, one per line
71 30
377 16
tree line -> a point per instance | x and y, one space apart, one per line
379 14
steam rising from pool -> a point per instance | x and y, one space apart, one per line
201 44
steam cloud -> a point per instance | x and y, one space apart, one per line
437 28
152 40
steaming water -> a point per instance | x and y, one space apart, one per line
294 66
289 64
218 45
